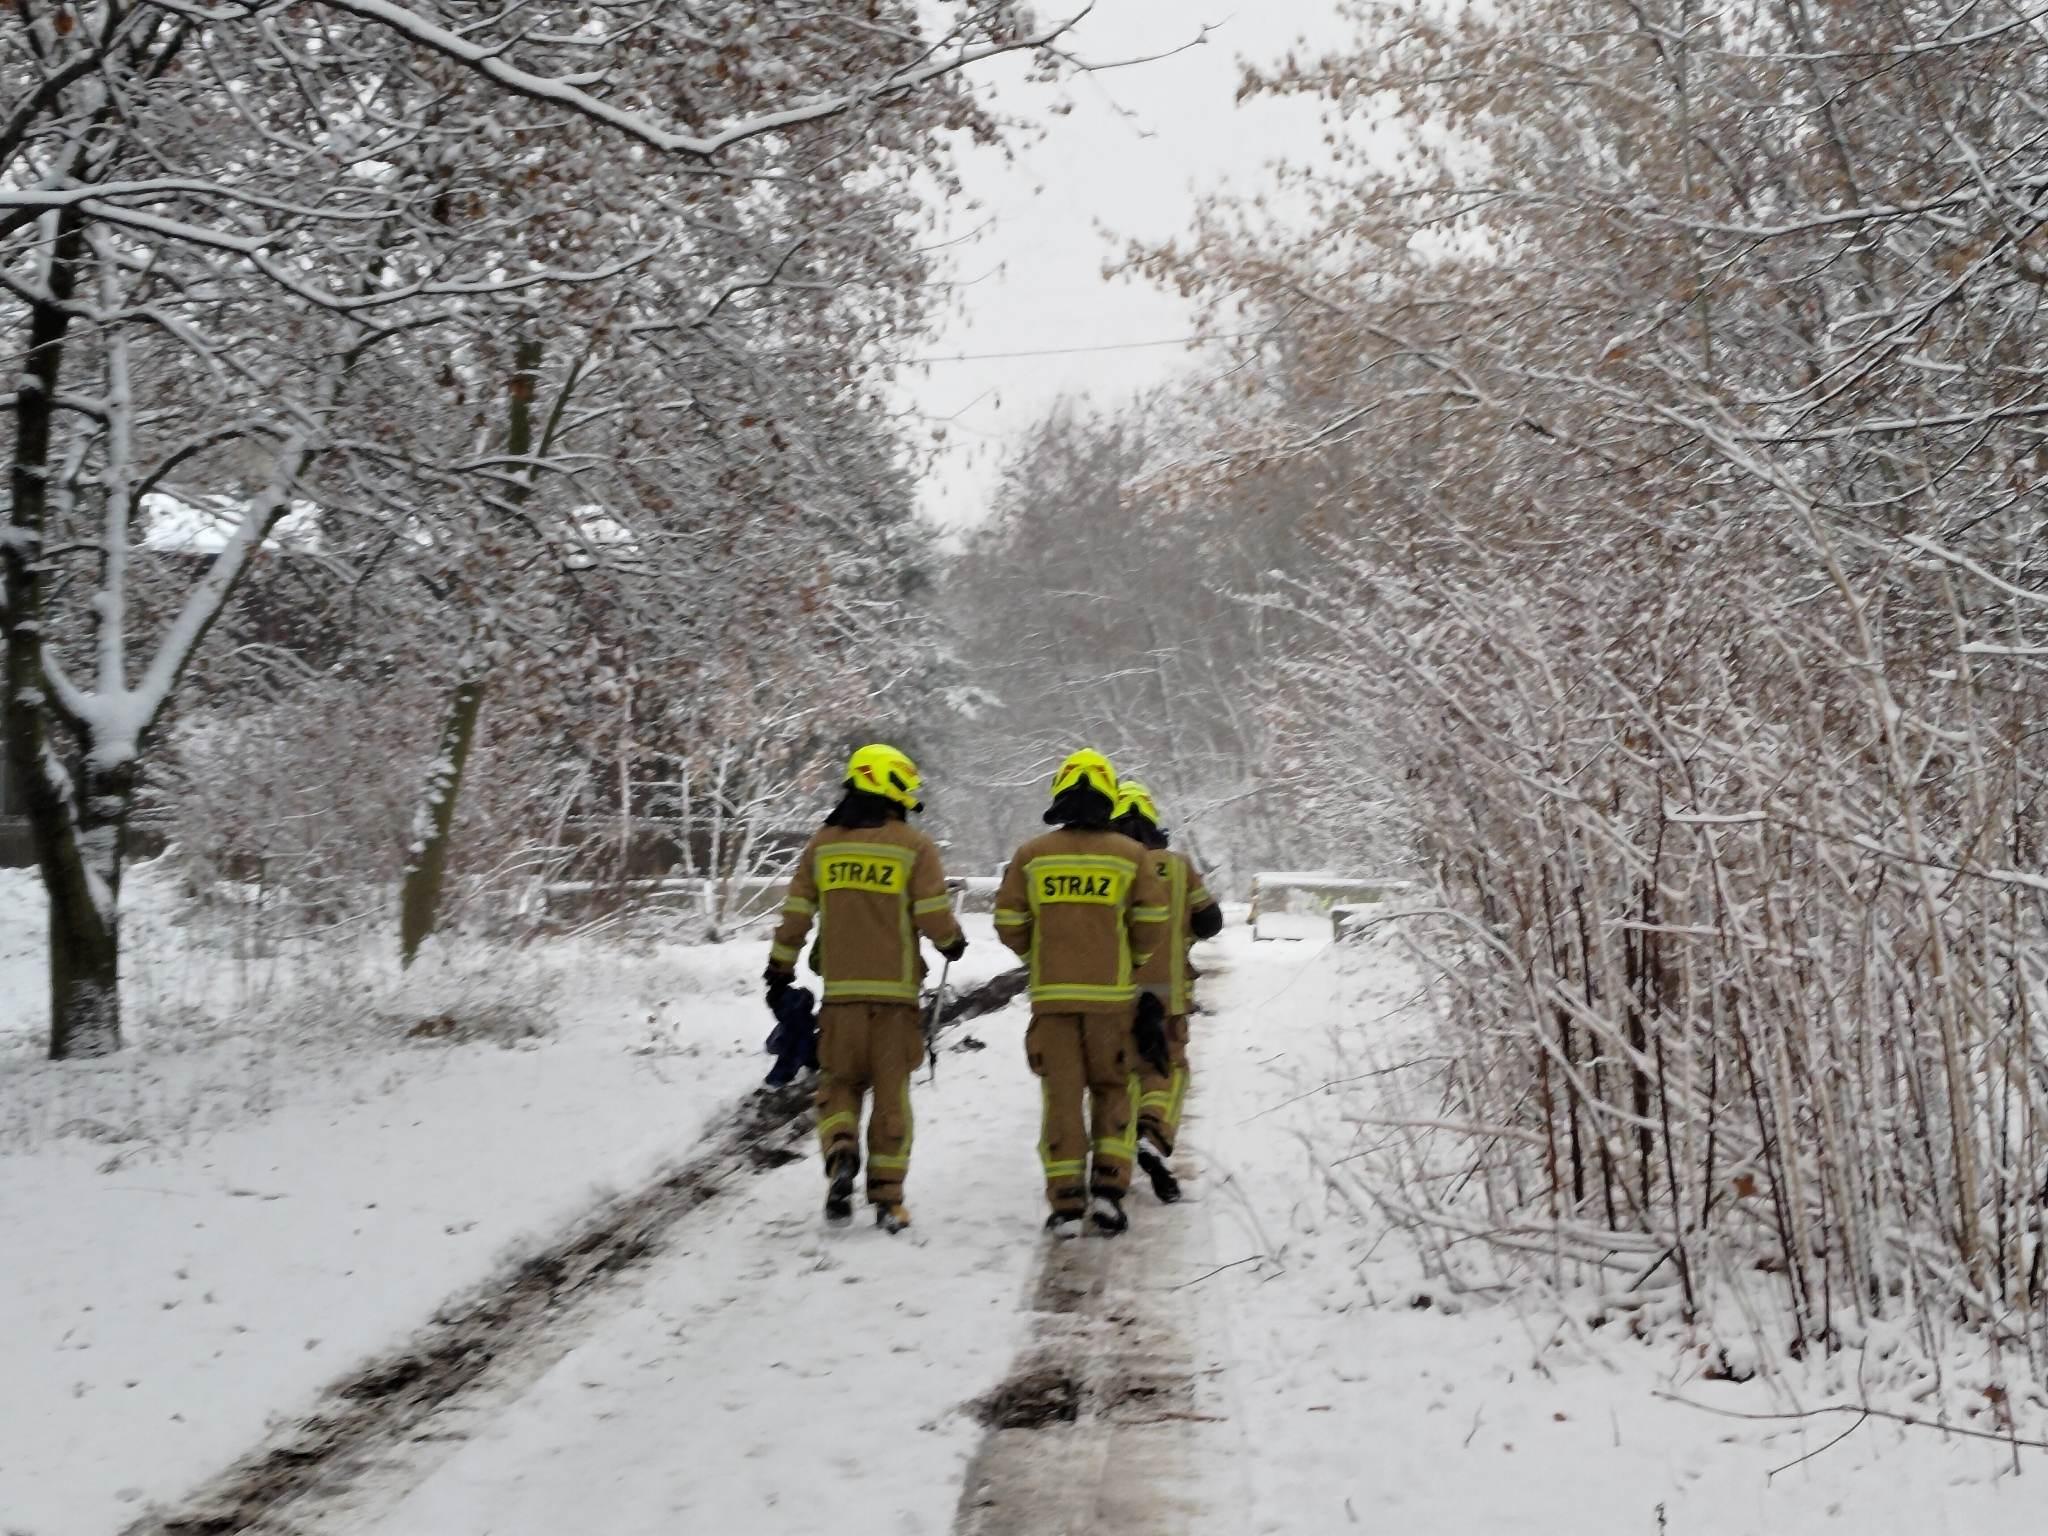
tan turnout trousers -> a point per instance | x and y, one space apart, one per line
1160 1098
1085 1067
863 1046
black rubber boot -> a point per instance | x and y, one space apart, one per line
1164 1184
845 1169
1063 1224
1106 1215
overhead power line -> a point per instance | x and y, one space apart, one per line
1108 346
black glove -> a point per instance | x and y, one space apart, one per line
778 981
954 950
1148 1033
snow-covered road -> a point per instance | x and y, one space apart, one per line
770 1375
1253 1360
1247 1362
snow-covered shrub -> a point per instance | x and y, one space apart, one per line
1724 990
295 810
1683 602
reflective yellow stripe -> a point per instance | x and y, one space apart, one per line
782 954
898 1161
1009 919
800 907
1053 1170
1082 879
1150 914
1180 937
832 1123
892 851
906 937
881 869
1123 1149
933 904
1077 993
853 989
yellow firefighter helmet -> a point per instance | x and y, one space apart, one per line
1085 767
882 770
1133 796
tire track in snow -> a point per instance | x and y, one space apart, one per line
1116 1416
395 1415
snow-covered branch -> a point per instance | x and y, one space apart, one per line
489 61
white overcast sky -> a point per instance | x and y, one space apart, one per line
1140 147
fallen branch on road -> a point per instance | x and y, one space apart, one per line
1255 1258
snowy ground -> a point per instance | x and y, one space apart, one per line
765 1376
278 1180
773 1376
1366 1412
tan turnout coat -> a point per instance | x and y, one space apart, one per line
1087 910
871 891
1165 974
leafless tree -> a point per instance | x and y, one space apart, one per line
1691 604
253 251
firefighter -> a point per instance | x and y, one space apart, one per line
1164 984
873 883
1083 905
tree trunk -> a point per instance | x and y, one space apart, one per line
419 901
85 921
85 982
70 839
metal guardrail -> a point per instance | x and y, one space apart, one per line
973 893
745 897
1319 890
736 899
1313 893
